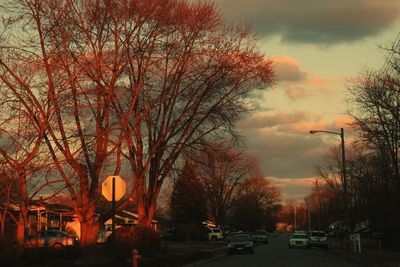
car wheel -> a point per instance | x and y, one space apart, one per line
290 246
308 247
58 245
251 251
214 238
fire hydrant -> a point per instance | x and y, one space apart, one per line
135 258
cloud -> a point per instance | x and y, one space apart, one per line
286 122
314 21
293 188
288 69
294 81
296 92
286 155
283 145
343 121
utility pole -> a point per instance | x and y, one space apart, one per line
309 215
344 178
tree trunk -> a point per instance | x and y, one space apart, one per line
89 231
21 225
89 225
2 228
145 216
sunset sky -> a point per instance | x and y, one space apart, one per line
318 47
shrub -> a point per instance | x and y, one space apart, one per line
8 251
144 239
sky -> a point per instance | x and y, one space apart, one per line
318 48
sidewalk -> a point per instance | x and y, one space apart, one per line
370 256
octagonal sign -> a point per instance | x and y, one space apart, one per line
120 188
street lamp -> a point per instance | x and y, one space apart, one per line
341 133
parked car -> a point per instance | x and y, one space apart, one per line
215 234
51 238
260 236
168 234
241 243
317 239
298 240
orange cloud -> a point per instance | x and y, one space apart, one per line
319 82
295 188
303 127
343 121
296 82
288 69
297 122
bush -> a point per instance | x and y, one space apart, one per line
8 251
144 239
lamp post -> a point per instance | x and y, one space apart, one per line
295 217
341 134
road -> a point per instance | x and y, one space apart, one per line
277 254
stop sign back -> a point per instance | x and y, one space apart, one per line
120 188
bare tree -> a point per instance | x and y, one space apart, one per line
140 79
224 173
63 68
375 99
256 206
377 114
193 74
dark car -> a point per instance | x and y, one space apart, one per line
241 243
51 238
260 236
168 234
317 239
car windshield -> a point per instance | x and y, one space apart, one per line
241 238
318 234
299 236
260 232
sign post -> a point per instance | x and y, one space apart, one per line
113 207
113 189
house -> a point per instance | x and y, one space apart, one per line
123 218
46 216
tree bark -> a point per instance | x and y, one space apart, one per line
89 230
21 224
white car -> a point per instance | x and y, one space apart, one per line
215 234
298 240
318 239
260 236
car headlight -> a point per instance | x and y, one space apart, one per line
249 244
230 246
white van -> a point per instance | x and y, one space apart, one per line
215 234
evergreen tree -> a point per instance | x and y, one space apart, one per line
188 204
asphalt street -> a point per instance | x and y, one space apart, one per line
277 254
